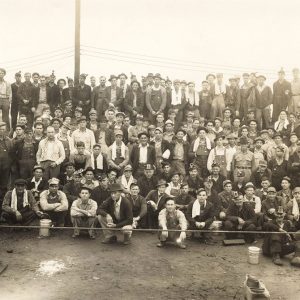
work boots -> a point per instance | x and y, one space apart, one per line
276 260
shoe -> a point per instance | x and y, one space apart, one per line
276 260
181 246
160 244
74 235
92 236
109 240
295 261
126 239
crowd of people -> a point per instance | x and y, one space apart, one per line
154 154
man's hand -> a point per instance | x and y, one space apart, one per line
153 204
33 109
241 221
109 219
136 219
18 216
25 101
200 224
182 236
164 234
53 165
271 211
39 214
111 225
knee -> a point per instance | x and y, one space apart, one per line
228 225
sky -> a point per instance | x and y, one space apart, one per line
184 39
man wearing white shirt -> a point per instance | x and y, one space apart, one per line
50 154
5 97
83 134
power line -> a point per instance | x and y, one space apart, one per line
41 63
34 56
233 68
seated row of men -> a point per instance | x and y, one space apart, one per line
109 206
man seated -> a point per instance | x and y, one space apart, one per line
155 203
67 175
200 215
250 197
171 218
139 206
279 245
19 205
83 212
184 198
37 183
116 212
240 216
54 203
227 195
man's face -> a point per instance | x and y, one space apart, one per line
19 131
281 75
271 195
253 125
205 86
56 124
53 188
294 139
42 81
110 114
104 183
28 136
292 119
285 184
236 123
81 80
166 169
85 195
217 123
193 173
50 133
102 81
134 86
239 201
208 184
38 173
119 138
22 120
96 151
112 175
260 81
39 129
258 144
2 130
77 178
27 77
113 82
93 81
160 118
279 153
185 189
134 191
70 170
244 148
82 124
122 79
249 191
196 124
262 168
120 118
80 149
162 83
161 189
93 117
180 135
297 196
202 197
170 206
228 187
157 81
215 170
20 189
191 87
127 173
244 132
210 79
89 175
61 84
175 178
246 79
202 134
116 195
227 114
149 173
265 184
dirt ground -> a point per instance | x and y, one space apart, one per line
138 271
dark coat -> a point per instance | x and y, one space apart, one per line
109 136
247 213
42 186
294 170
206 214
264 98
119 98
153 196
18 150
54 96
146 185
108 207
100 195
36 95
72 190
186 147
135 156
25 92
128 102
82 94
139 206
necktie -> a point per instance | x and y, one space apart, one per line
95 164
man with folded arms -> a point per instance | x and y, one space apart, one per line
83 212
116 212
19 205
54 203
171 218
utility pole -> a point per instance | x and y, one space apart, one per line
77 42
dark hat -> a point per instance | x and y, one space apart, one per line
277 134
157 75
122 74
281 71
28 130
215 164
243 141
21 126
83 75
143 133
112 77
88 169
115 187
78 108
93 111
149 167
18 74
264 131
135 81
225 182
68 164
139 117
249 185
37 167
82 118
287 178
67 125
161 182
68 102
58 108
165 163
103 120
210 74
193 167
259 139
55 119
150 75
175 173
101 177
201 128
20 182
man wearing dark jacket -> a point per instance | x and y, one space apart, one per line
200 214
83 95
101 192
113 95
142 154
15 101
240 216
37 183
294 168
147 182
116 212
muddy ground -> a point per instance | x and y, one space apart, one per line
138 271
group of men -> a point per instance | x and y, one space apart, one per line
155 154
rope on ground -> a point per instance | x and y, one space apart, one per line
149 230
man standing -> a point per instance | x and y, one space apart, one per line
233 97
264 98
244 93
83 212
54 203
294 105
25 94
113 95
142 154
6 146
15 101
171 218
82 95
83 134
50 154
5 97
41 97
19 205
281 95
156 99
218 103
116 212
98 96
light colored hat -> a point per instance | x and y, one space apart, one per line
53 181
